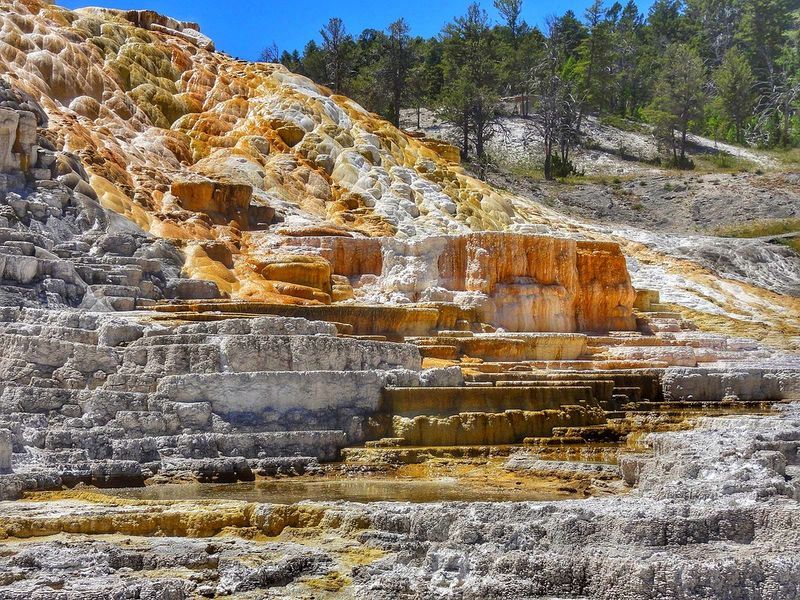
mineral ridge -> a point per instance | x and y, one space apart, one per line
217 271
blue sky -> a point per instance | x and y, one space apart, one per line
242 28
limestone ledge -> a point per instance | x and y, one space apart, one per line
136 104
515 281
713 505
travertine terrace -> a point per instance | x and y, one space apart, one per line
217 271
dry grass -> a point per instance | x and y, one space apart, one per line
723 163
761 228
793 243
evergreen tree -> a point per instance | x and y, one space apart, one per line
765 30
426 77
764 25
668 24
554 85
470 99
292 61
735 85
595 63
337 46
314 62
510 35
566 33
630 60
679 98
398 64
716 23
369 83
510 10
616 60
530 52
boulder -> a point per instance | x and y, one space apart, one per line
5 451
191 289
223 202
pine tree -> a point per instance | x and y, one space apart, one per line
510 10
566 33
425 77
554 84
337 47
595 63
398 62
668 24
368 83
314 62
470 98
764 25
292 61
716 23
630 60
510 35
679 98
735 85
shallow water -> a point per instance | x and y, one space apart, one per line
353 490
424 486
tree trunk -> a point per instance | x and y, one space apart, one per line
786 123
465 138
683 145
548 159
398 94
480 130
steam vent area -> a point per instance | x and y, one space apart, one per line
256 342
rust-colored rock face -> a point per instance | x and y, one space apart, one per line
605 295
223 202
348 256
518 282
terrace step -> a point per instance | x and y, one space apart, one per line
495 428
444 401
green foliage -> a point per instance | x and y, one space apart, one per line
564 168
793 243
726 163
471 77
735 90
622 123
338 49
724 68
596 54
679 100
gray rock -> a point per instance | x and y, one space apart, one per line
191 289
120 243
5 451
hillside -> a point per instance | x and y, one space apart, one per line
192 145
740 193
623 184
257 342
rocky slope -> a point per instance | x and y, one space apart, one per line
671 212
715 515
228 158
214 271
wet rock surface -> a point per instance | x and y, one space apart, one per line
217 273
715 513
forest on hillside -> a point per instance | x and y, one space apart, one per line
728 69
